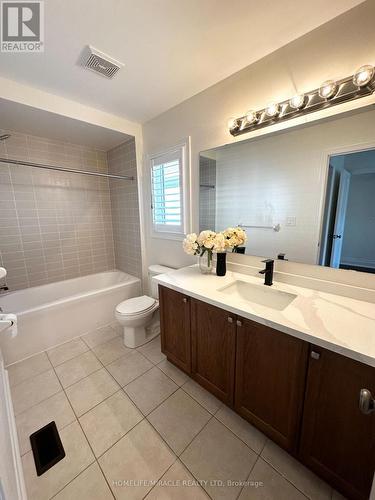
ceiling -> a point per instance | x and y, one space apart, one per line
37 122
172 49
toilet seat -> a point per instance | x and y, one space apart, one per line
136 306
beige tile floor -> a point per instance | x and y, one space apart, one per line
134 426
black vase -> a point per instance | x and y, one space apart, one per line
221 264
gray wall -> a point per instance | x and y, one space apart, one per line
53 225
125 209
359 232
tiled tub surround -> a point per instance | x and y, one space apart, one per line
207 193
129 415
53 225
51 314
125 209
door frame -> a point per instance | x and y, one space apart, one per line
342 203
323 175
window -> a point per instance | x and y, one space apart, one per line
169 187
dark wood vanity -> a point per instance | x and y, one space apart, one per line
303 397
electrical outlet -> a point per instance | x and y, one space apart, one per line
291 221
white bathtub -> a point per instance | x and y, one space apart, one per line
51 314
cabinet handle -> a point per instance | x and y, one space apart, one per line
315 355
366 402
230 319
239 323
184 300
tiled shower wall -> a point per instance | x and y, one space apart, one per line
53 225
207 193
125 209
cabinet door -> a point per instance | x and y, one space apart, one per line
213 349
270 381
175 327
338 440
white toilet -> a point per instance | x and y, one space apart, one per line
140 315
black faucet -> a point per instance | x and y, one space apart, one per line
268 272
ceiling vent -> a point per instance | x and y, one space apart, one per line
100 63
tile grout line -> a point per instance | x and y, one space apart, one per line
144 417
169 468
159 404
52 368
45 399
78 337
89 445
284 477
248 476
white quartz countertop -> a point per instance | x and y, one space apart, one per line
341 324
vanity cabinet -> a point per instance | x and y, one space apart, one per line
213 347
270 381
175 327
338 440
304 398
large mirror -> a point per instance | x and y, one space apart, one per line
307 194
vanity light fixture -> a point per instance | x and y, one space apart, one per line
330 93
328 89
252 117
298 101
363 75
233 123
273 109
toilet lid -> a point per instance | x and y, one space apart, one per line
136 305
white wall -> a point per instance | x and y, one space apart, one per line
334 50
264 182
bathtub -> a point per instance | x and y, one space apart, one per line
51 314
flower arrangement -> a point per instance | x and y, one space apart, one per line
234 237
209 242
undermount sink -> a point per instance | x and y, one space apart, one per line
258 294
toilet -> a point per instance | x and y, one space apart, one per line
140 315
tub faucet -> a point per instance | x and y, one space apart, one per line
268 272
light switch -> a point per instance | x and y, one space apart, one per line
291 220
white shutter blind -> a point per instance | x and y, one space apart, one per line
167 193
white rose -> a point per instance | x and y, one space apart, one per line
219 243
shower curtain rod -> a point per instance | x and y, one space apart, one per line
63 169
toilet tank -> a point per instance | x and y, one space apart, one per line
154 270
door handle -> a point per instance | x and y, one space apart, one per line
230 319
239 323
366 402
184 300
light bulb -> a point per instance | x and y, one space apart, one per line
232 123
363 75
328 89
273 109
297 101
251 117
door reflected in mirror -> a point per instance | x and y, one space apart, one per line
348 236
306 194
